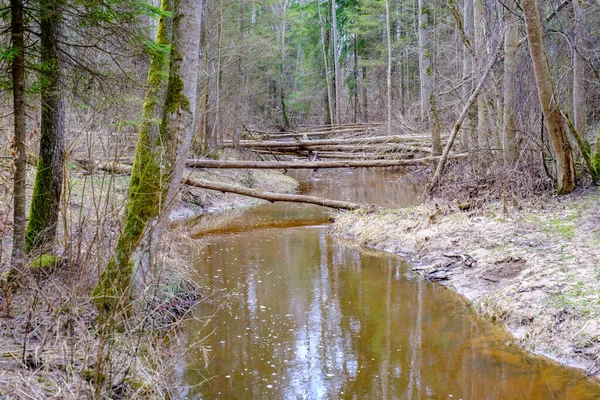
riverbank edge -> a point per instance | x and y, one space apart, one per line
533 268
47 375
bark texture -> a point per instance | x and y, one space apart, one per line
483 127
337 73
20 135
389 67
511 41
579 106
164 138
565 171
428 108
467 69
47 189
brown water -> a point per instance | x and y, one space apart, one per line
312 318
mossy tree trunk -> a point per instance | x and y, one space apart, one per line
165 137
180 104
44 211
565 170
146 185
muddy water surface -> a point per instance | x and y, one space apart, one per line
312 318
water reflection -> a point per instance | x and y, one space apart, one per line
364 186
314 319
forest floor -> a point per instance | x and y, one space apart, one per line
532 266
49 343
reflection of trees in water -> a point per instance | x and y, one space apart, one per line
351 324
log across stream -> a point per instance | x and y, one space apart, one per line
306 316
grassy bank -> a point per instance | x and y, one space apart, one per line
534 267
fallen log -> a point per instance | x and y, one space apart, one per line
380 148
234 164
323 154
274 197
334 126
288 135
393 147
259 194
304 143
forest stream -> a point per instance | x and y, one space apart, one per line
310 317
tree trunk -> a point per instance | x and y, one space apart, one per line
244 191
400 72
511 41
20 134
43 215
467 71
217 128
284 115
336 64
426 77
355 87
365 99
579 107
165 138
328 120
274 197
389 67
565 171
482 111
234 164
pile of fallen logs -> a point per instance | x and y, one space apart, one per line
349 141
337 146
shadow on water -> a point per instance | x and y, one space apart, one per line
313 318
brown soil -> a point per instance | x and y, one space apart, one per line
534 269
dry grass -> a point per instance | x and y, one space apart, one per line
51 346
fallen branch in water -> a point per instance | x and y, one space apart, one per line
273 197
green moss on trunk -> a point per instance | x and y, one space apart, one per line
148 183
44 211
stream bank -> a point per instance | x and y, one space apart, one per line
59 359
533 268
